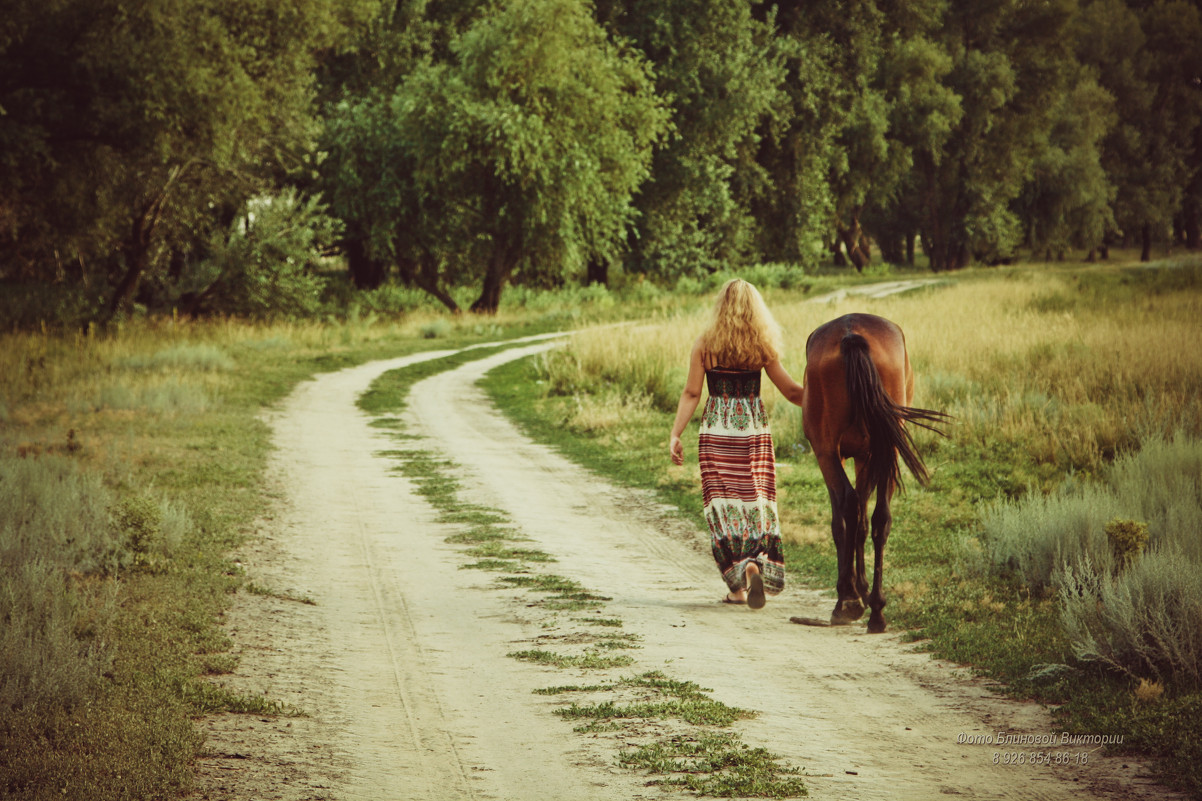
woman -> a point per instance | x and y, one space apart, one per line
738 469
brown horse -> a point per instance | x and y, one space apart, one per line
858 389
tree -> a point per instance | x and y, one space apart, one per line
1009 65
722 72
797 149
519 158
1067 202
380 53
923 113
131 129
1147 58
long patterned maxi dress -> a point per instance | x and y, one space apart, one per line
738 479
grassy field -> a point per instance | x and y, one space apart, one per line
131 464
1057 377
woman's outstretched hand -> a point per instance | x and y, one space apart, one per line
676 450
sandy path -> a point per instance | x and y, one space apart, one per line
402 666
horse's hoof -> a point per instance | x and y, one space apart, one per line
876 624
847 612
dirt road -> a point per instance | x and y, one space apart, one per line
401 663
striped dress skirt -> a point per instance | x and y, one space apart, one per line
738 480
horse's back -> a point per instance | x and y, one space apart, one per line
826 411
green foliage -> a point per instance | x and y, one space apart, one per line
1127 541
723 74
504 160
1146 620
130 130
265 264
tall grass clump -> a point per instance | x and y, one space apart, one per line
623 361
182 356
1123 554
58 551
53 512
1145 621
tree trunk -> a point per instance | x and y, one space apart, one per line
893 248
855 242
366 272
442 296
500 266
598 272
837 257
424 275
137 248
136 251
135 264
1146 234
1192 223
910 249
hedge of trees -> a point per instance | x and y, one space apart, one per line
202 153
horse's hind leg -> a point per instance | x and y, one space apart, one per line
882 521
863 492
844 519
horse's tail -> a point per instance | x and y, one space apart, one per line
883 418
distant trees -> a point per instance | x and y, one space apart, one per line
484 142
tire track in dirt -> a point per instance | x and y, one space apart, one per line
401 663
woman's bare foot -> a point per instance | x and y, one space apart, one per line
755 587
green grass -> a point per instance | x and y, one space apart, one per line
715 764
587 661
1046 401
258 589
705 760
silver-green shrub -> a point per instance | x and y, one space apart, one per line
52 511
188 356
1142 612
63 537
1035 536
1146 620
54 529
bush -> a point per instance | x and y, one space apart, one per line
50 651
1130 591
181 357
53 513
149 530
265 264
1034 537
1161 485
1144 620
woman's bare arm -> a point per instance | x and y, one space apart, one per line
688 404
779 376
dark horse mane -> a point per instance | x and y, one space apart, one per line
883 419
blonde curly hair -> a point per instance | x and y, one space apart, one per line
742 334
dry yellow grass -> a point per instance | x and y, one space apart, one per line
1036 358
